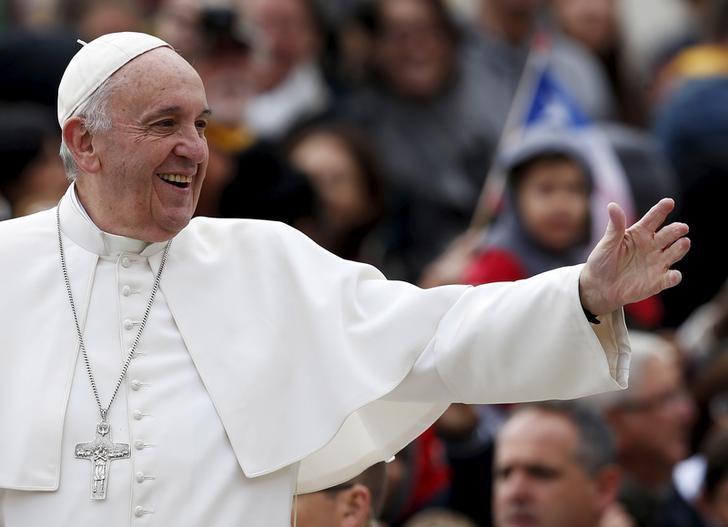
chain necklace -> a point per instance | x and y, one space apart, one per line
102 450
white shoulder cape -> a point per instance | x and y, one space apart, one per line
299 350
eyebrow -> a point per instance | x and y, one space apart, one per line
161 112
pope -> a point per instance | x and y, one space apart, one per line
202 372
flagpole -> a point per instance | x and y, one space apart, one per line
449 267
495 180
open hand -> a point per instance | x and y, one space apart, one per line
628 265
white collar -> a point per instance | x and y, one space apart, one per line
77 225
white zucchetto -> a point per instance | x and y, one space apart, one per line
97 61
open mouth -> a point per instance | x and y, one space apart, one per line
177 180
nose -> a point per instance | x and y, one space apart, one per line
192 145
514 489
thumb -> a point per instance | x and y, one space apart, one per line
617 223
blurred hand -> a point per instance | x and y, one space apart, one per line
628 265
450 266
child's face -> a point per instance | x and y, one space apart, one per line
553 203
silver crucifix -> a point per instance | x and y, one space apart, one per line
100 451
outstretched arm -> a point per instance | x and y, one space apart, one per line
628 265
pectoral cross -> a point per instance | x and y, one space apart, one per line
100 451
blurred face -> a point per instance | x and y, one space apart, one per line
228 84
591 22
108 17
538 480
152 161
336 177
414 51
553 203
177 24
288 35
653 428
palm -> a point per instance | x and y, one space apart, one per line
628 265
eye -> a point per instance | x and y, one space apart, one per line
543 473
165 123
502 473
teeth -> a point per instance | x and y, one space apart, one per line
176 178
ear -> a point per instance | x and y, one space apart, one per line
607 483
356 506
80 143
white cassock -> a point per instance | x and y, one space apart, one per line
268 366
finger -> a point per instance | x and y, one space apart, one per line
677 250
617 223
671 279
657 215
670 234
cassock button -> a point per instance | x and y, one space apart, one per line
125 261
139 511
128 324
135 385
139 445
140 477
126 290
138 415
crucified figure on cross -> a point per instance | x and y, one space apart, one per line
100 452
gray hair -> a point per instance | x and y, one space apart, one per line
596 447
645 347
94 112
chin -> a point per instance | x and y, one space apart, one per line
164 231
172 224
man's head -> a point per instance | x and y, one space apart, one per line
351 504
652 419
553 468
135 145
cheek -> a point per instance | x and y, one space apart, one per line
533 210
526 202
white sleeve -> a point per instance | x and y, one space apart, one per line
520 341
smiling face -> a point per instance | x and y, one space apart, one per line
151 163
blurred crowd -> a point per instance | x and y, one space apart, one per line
399 133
